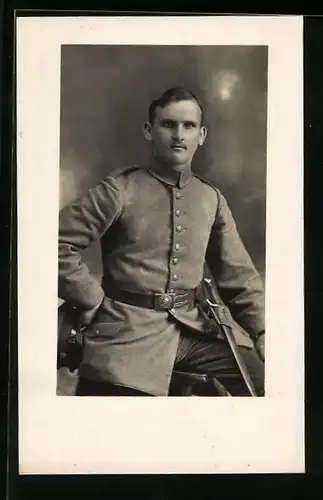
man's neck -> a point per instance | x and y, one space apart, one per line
160 164
176 174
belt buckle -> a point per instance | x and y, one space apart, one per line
164 300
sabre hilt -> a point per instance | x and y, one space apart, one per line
220 315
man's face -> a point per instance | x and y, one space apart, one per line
176 132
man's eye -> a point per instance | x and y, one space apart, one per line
189 125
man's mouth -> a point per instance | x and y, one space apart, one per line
178 147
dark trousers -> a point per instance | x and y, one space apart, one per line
214 357
199 354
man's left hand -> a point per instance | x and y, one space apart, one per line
260 347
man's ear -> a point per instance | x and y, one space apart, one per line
147 131
203 134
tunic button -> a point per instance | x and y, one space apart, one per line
179 228
178 195
175 277
175 260
177 246
178 212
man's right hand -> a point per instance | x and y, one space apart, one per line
87 317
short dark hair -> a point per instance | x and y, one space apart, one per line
174 94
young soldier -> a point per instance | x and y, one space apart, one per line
158 225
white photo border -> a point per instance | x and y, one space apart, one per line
71 435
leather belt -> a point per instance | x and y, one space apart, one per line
157 301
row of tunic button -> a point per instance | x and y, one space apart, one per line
179 229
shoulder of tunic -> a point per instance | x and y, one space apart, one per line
208 182
122 171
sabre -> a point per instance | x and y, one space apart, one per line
222 319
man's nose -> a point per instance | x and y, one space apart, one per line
178 133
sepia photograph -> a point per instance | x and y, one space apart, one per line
165 180
163 160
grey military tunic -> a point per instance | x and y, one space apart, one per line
156 229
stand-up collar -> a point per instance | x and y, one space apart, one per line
168 175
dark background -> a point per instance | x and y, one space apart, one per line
105 94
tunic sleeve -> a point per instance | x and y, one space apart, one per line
238 282
80 223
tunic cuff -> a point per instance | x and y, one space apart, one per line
86 297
